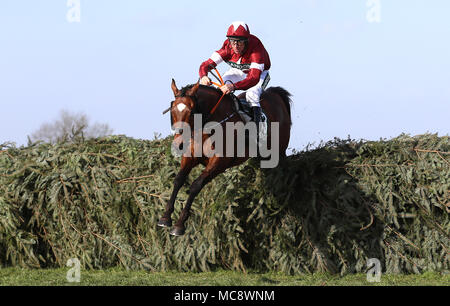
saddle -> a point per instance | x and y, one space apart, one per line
244 110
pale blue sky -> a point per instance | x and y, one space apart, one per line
347 76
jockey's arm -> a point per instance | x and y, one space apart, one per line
251 80
205 67
215 59
205 81
256 68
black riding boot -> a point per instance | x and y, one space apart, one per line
257 119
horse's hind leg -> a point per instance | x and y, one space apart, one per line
207 175
186 166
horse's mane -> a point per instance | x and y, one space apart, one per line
185 89
212 89
202 98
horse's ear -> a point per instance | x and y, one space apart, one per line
175 90
193 90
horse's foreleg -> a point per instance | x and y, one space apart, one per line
180 179
206 176
166 219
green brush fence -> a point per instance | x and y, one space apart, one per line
327 209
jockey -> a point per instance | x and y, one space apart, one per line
250 64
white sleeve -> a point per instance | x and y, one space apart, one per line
216 58
257 66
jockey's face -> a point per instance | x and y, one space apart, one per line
238 46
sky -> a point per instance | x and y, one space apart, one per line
365 69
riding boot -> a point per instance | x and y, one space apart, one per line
257 119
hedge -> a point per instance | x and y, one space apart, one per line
327 209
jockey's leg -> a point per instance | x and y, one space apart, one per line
253 96
234 75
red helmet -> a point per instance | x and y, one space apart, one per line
238 29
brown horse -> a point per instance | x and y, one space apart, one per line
199 99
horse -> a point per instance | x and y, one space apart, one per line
201 99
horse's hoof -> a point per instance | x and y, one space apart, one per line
164 223
177 231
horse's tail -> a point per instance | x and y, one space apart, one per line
285 96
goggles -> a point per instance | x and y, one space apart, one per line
235 41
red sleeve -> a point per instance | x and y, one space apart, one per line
256 68
251 80
205 67
216 58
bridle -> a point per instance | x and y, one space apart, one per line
196 109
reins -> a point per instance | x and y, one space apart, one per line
219 85
218 78
222 83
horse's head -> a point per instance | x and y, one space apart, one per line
182 111
183 107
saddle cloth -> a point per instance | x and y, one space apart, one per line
243 108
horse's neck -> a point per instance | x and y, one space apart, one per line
209 99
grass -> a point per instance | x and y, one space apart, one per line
119 277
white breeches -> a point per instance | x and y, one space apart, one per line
252 94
